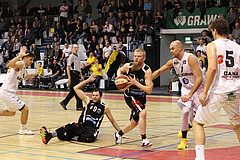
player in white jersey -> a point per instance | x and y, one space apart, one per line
221 87
190 75
16 74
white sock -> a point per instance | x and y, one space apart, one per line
200 152
22 126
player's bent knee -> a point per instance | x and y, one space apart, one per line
24 109
10 113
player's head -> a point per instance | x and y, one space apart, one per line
219 27
139 58
75 48
28 59
176 47
96 95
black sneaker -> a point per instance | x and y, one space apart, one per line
46 137
63 105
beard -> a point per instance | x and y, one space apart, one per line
136 66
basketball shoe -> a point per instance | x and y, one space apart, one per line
46 137
25 131
183 145
146 143
118 138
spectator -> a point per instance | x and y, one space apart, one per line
127 17
224 3
45 26
236 33
100 6
206 39
230 37
98 53
97 69
35 30
139 19
140 6
177 5
140 38
159 21
190 6
25 30
37 21
16 47
18 29
55 42
20 21
167 5
77 32
148 21
221 16
147 6
94 26
113 7
210 3
50 10
47 53
122 48
56 71
105 9
122 8
28 13
63 14
91 34
111 19
69 30
1 12
59 33
56 53
36 52
200 57
131 8
75 19
201 47
238 14
122 32
2 27
65 54
40 11
12 26
7 48
89 19
231 19
88 47
8 12
20 37
17 11
107 51
100 21
85 32
90 61
88 7
131 28
108 29
201 5
105 39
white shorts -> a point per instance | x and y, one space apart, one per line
11 101
209 113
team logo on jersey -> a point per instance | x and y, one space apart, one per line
184 61
185 80
220 59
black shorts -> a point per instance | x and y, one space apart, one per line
137 104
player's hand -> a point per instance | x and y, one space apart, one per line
132 81
23 50
202 98
185 98
92 77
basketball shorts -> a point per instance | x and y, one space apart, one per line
137 104
11 101
209 113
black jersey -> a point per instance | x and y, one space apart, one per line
140 77
94 113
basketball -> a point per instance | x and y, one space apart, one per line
121 82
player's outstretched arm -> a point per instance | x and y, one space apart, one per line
14 63
78 88
32 75
111 119
165 67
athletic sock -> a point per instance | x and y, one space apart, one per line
54 134
199 151
22 126
184 134
189 126
121 133
143 136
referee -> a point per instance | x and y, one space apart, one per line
74 73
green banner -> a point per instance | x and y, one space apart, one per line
186 20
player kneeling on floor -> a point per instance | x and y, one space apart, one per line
87 128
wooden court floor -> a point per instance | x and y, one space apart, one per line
163 124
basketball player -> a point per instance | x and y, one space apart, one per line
16 74
192 79
87 128
222 85
139 86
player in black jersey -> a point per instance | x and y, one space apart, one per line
135 96
87 128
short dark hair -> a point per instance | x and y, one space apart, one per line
97 90
30 54
221 26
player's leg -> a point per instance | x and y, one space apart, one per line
142 121
236 129
24 118
4 112
199 140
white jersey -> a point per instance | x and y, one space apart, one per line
185 73
227 77
12 79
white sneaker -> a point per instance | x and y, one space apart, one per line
146 143
199 159
118 138
25 131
